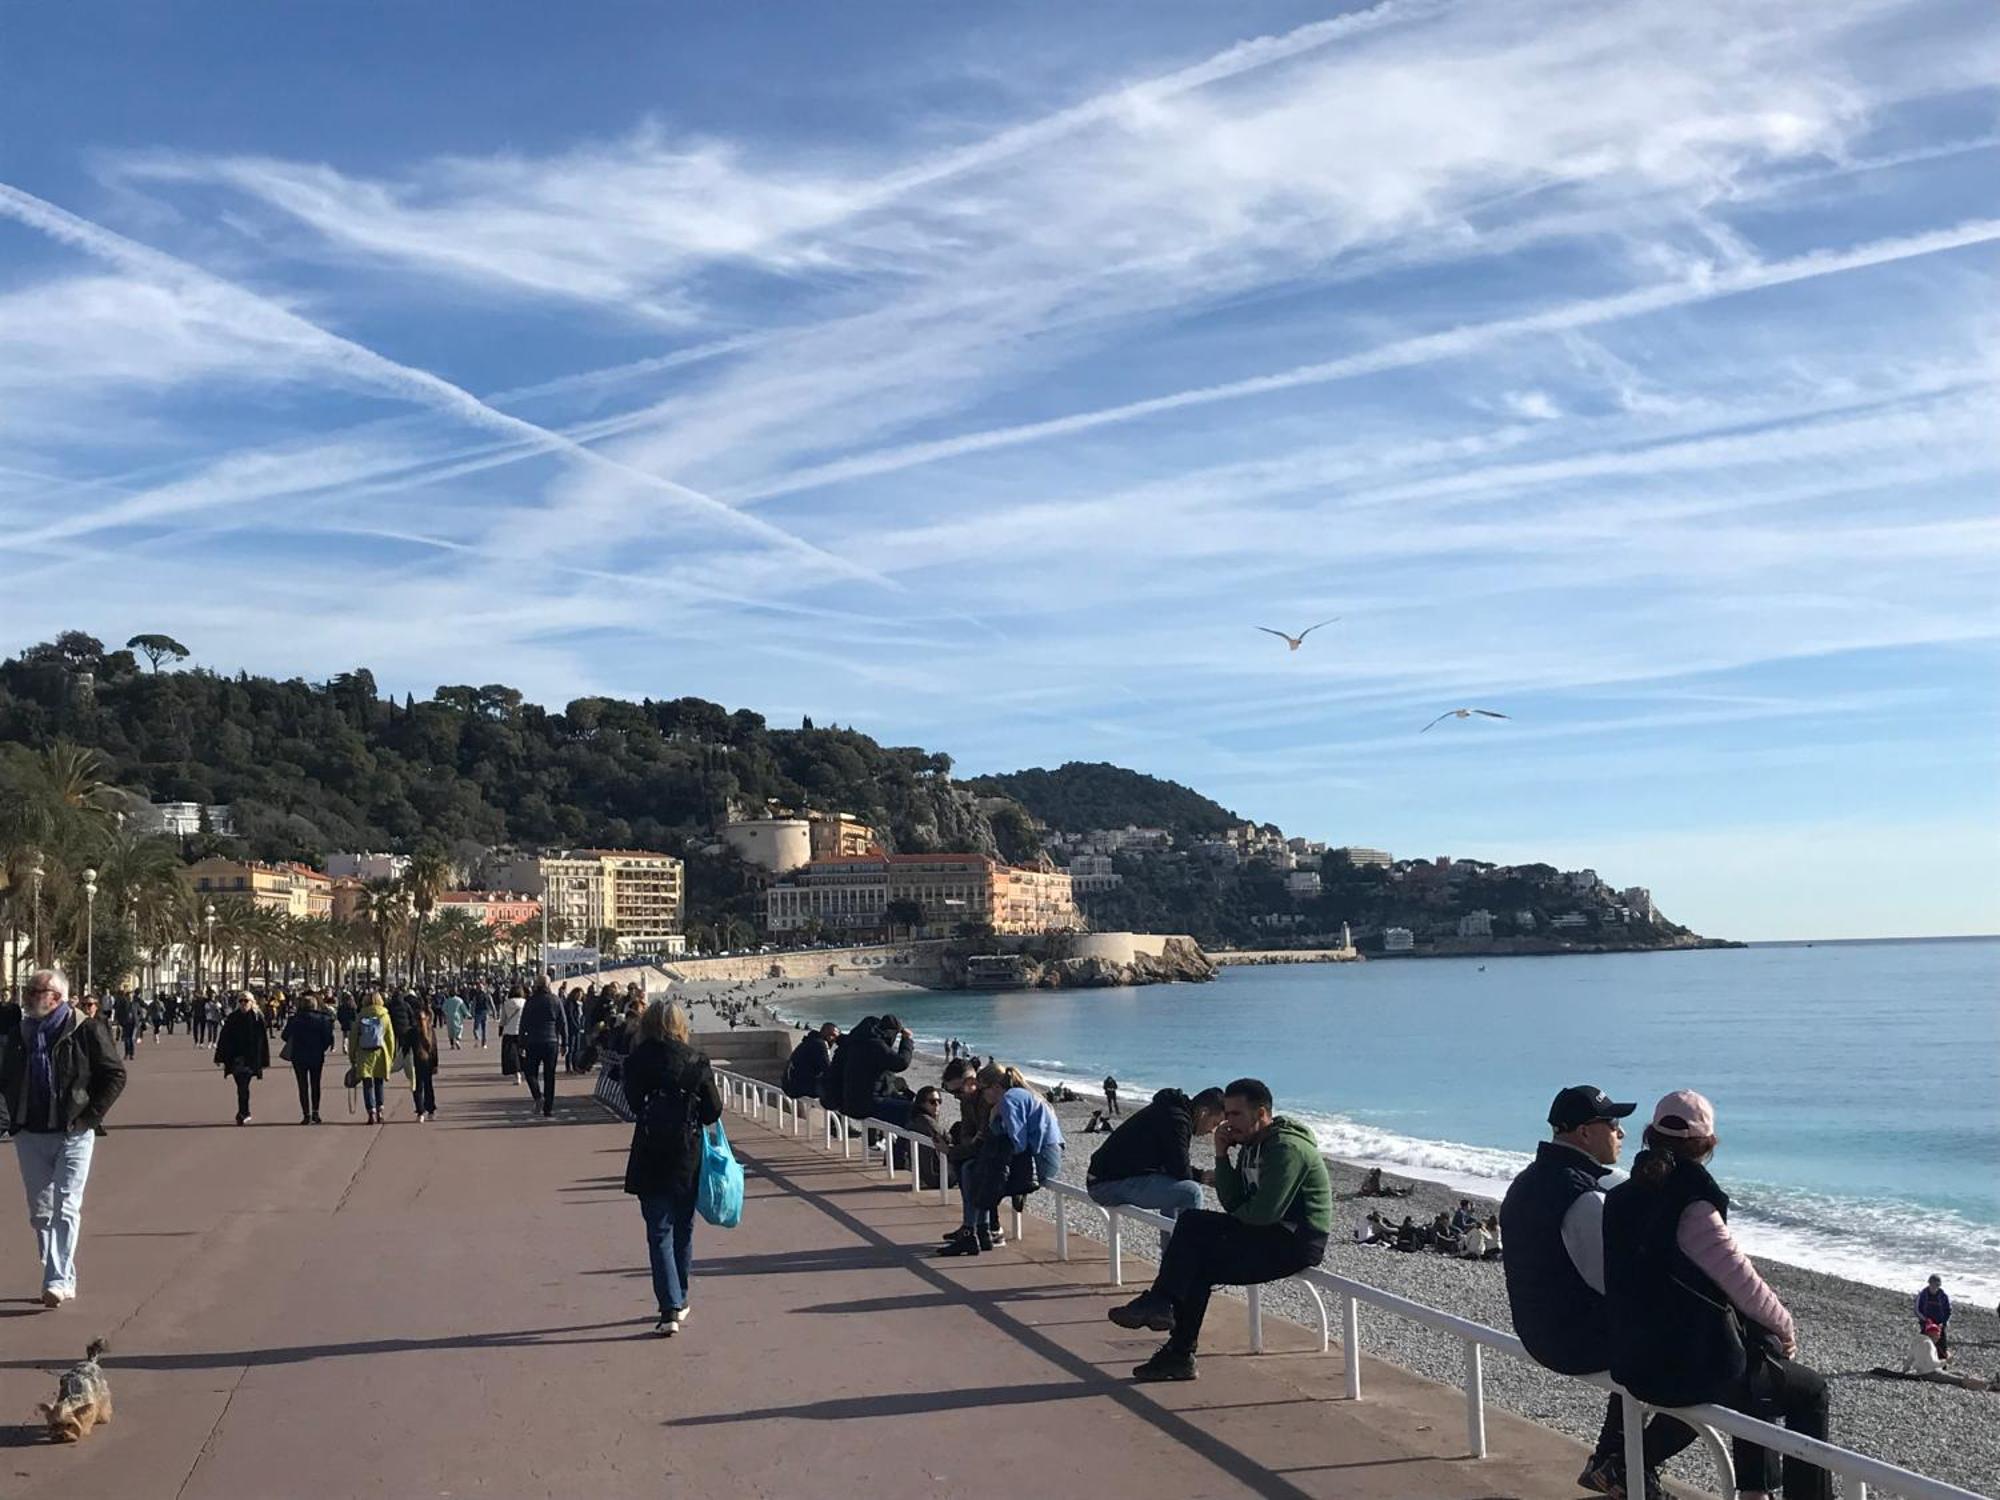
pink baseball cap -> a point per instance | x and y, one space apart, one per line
1684 1113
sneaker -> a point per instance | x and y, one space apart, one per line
680 1317
315 1119
997 1237
666 1328
53 1296
1168 1364
1603 1476
305 1119
956 1247
1145 1311
963 1232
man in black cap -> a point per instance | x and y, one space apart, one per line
1553 1223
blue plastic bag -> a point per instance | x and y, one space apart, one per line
719 1195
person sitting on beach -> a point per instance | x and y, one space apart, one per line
1921 1362
1145 1162
1553 1215
1374 1230
1675 1287
1409 1238
1490 1232
1439 1236
1277 1210
1463 1219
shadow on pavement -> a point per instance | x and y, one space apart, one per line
230 1359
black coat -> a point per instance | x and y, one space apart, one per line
243 1043
869 1060
1557 1314
1153 1139
89 1077
806 1067
310 1034
654 1067
542 1023
402 1019
1675 1339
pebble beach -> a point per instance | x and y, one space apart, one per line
1846 1326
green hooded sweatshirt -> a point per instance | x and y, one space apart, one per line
1280 1179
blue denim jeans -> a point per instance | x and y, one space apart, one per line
55 1165
371 1094
669 1246
1154 1190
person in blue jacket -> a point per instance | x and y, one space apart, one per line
1934 1306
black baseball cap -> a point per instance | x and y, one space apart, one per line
1581 1103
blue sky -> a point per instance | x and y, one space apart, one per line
981 378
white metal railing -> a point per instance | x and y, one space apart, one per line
1864 1476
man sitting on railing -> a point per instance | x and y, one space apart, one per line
1553 1217
1145 1163
1277 1211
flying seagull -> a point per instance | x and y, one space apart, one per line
1296 641
1459 713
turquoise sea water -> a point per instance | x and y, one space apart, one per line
1857 1085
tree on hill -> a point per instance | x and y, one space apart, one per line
1083 795
157 648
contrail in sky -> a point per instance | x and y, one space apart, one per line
240 305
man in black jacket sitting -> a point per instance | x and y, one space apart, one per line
1145 1162
1552 1220
808 1063
871 1056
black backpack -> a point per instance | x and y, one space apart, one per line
667 1125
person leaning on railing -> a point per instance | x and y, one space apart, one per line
1020 1150
1553 1217
1277 1211
961 1081
1145 1162
1690 1319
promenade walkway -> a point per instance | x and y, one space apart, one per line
461 1309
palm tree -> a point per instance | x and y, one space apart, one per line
425 880
382 906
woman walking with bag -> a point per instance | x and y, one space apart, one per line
424 1065
673 1096
510 1033
374 1054
1690 1319
243 1051
308 1038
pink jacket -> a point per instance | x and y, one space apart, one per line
1704 1238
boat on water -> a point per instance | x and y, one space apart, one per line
996 971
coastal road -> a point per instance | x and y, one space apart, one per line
462 1309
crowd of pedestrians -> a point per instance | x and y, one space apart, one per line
1644 1280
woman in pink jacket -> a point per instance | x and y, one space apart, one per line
1689 1317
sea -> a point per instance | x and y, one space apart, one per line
1856 1084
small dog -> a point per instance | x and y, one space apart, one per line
83 1398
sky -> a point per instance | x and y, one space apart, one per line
982 377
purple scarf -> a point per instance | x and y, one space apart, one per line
41 1069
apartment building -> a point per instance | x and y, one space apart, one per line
853 894
289 889
639 894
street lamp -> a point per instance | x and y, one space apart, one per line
208 943
89 929
35 874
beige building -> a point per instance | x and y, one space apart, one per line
292 890
840 836
854 894
636 893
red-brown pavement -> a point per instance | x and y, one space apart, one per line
462 1309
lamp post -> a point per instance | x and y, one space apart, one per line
35 872
89 929
208 943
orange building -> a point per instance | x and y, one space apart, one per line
494 908
294 890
